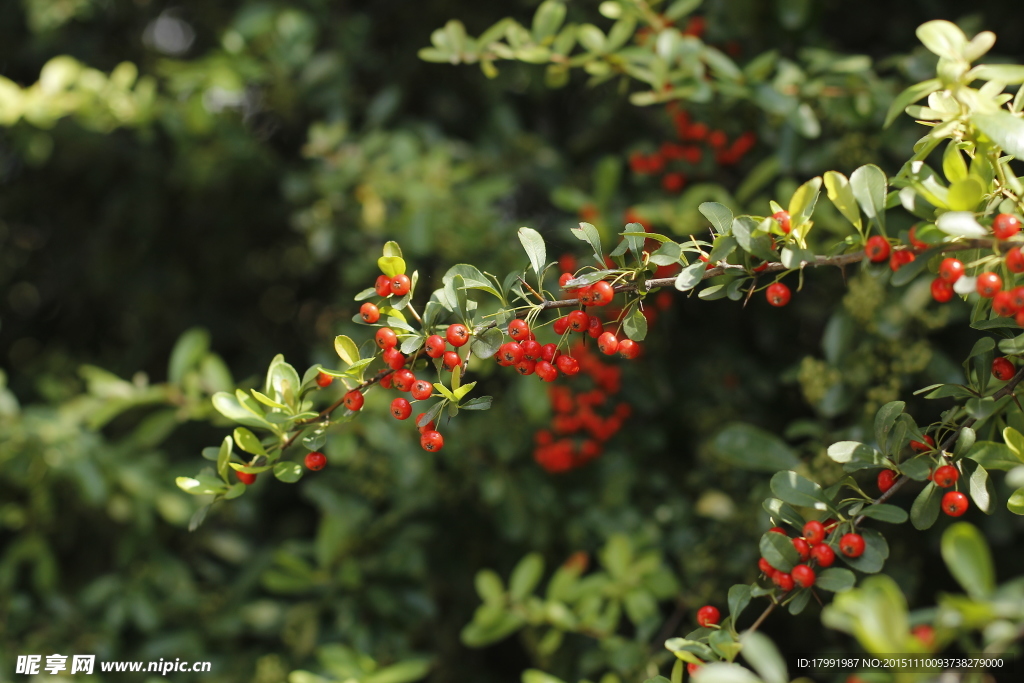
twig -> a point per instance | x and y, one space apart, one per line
533 291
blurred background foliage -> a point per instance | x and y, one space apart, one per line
228 171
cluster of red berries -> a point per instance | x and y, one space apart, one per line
954 503
878 250
1005 303
813 547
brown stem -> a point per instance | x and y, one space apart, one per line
764 615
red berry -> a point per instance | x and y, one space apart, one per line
951 269
777 530
400 408
323 379
546 371
565 277
245 477
929 444
431 441
954 503
434 346
518 330
394 358
594 327
386 338
369 313
1017 297
708 615
778 294
823 555
315 460
877 249
942 291
383 285
629 349
578 321
532 349
568 365
766 568
584 295
900 258
783 218
421 389
457 334
814 532
783 581
1003 369
400 285
560 325
989 284
526 367
692 668
386 380
510 353
886 478
425 428
451 360
852 545
353 400
549 352
925 634
1015 260
803 576
802 548
404 379
1002 304
1005 226
602 293
945 476
918 244
608 343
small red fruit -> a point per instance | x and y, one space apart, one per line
1017 297
954 503
951 269
783 581
563 278
692 668
369 313
386 380
766 568
877 249
989 284
708 615
245 477
778 294
546 371
400 285
594 326
457 334
568 365
918 244
578 321
1005 226
526 367
814 532
451 360
425 428
1003 369
783 218
400 408
434 346
532 349
560 325
777 530
900 258
386 338
518 330
629 349
353 400
942 291
431 441
1015 260
323 379
852 545
383 285
549 352
886 478
510 353
919 447
404 379
803 548
421 389
584 295
803 576
394 358
823 555
315 460
925 634
945 476
602 293
608 343
1003 304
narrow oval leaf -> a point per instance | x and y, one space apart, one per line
969 560
533 243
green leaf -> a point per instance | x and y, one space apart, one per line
943 38
187 353
402 672
538 676
248 442
953 164
909 96
1015 442
965 195
909 271
979 485
757 243
201 485
391 265
835 579
876 613
747 447
994 456
533 243
346 349
547 20
1004 129
224 457
589 234
960 224
462 390
720 672
798 490
793 256
635 325
869 186
784 512
885 418
801 205
1015 503
761 654
779 551
848 451
489 586
288 472
885 513
230 407
925 509
485 345
691 276
739 598
1011 74
719 215
969 560
667 254
478 403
